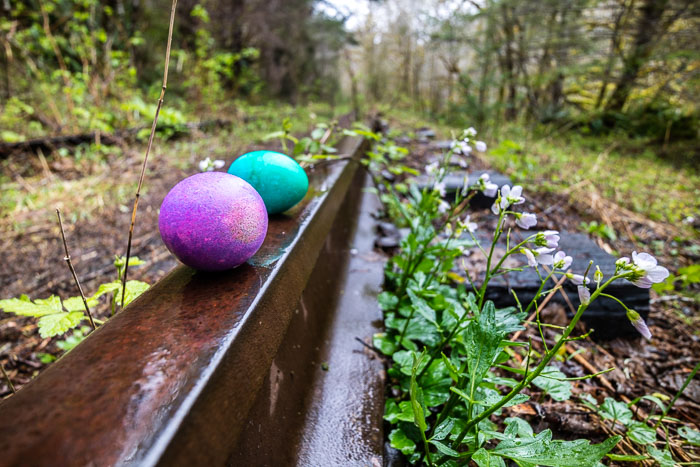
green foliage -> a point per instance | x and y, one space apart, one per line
447 390
552 381
53 319
687 276
57 317
690 435
616 411
542 450
601 230
615 167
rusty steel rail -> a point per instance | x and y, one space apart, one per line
173 379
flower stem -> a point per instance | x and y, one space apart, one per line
535 373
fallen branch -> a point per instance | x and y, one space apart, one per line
51 143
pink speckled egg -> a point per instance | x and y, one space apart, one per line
213 221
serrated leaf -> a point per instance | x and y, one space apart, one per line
641 433
399 440
692 436
133 290
23 307
615 410
108 287
483 338
484 458
76 303
435 384
59 323
543 450
550 381
53 302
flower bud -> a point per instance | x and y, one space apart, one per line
584 295
598 275
639 324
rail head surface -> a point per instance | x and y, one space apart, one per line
171 378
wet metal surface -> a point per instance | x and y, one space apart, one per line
171 379
323 399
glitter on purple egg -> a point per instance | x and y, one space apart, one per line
213 221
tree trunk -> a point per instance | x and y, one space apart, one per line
614 47
511 111
649 24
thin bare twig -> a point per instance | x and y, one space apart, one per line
72 270
148 148
7 378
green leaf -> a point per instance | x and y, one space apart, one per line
387 301
24 307
45 358
393 413
441 431
416 394
664 457
53 302
489 397
551 382
133 290
656 401
76 303
615 410
509 320
453 370
108 287
543 450
59 323
384 343
423 308
484 458
692 436
517 427
418 329
641 433
482 340
444 449
436 383
399 440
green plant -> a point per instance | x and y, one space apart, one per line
687 276
601 230
317 146
449 346
56 316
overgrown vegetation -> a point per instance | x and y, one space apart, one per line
453 360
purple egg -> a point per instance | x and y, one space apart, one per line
213 221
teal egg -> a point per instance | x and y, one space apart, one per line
279 180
